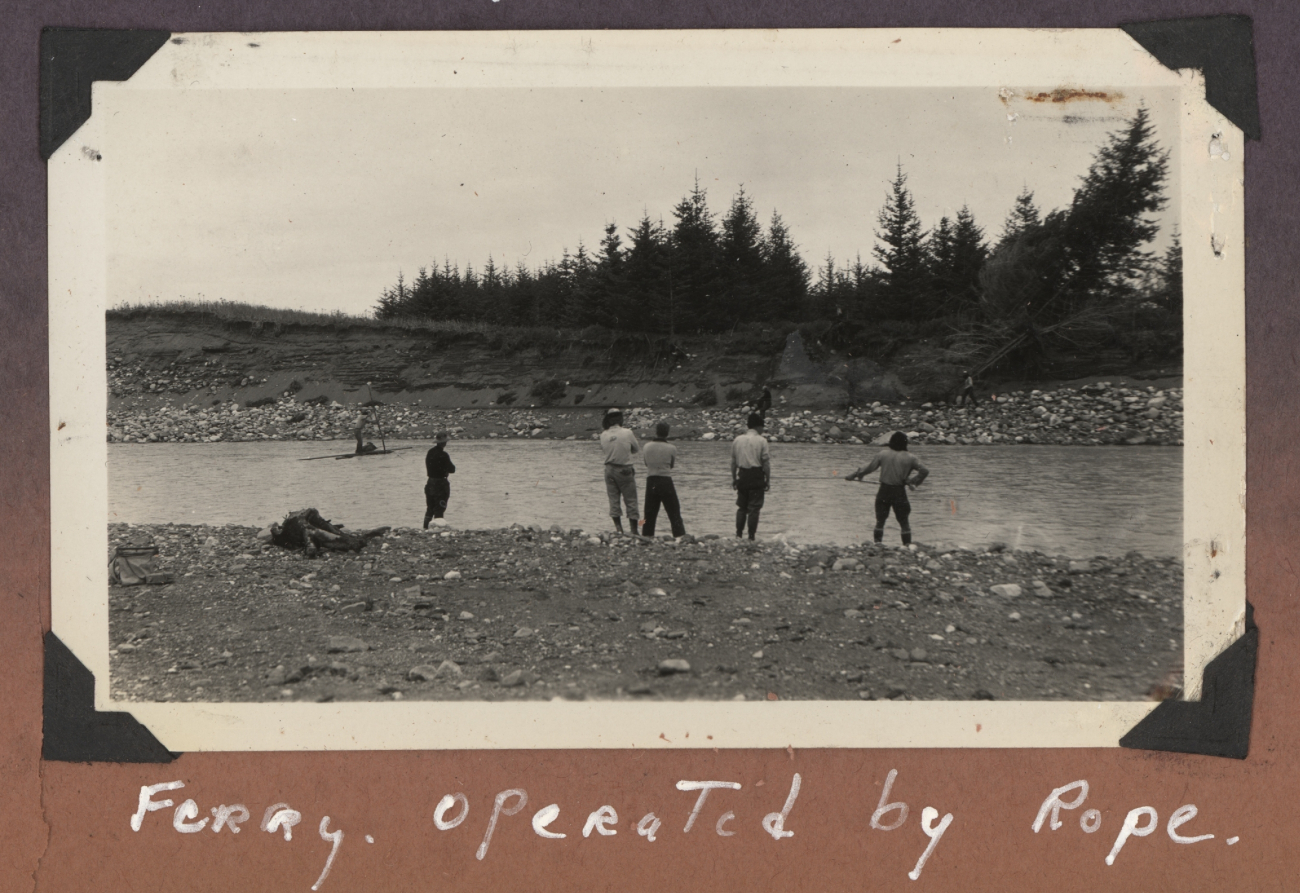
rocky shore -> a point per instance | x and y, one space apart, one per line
1091 414
544 614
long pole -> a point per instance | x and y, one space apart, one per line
376 412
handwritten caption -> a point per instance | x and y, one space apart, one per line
453 810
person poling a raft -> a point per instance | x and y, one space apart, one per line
367 446
896 466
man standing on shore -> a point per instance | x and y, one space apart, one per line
437 490
660 457
896 465
967 391
751 474
620 446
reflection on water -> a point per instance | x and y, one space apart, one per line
1077 501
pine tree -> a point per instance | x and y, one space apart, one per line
1021 218
695 263
1108 221
969 254
834 296
522 298
740 264
905 292
939 247
1170 271
650 289
786 274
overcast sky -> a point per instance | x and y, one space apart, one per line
315 199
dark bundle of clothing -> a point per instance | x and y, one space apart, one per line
306 529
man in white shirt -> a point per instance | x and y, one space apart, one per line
660 459
620 445
751 474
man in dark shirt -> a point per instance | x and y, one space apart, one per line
438 489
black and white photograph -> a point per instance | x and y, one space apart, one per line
649 393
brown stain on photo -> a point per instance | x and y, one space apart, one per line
1072 94
1060 95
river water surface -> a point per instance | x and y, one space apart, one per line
1077 501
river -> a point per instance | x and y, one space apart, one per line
1076 501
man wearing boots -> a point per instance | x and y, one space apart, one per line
438 489
896 466
751 474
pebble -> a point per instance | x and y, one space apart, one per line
1008 590
674 665
451 575
447 668
846 564
345 644
422 673
918 654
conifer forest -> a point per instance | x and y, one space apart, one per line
1014 297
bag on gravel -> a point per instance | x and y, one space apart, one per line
133 566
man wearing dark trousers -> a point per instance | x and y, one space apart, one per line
437 491
751 474
660 458
967 391
896 466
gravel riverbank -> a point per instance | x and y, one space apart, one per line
541 614
1096 413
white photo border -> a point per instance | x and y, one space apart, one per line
1213 240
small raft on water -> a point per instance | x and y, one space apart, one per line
355 455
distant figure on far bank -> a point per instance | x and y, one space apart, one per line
967 391
437 490
620 445
660 458
896 466
764 403
751 474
